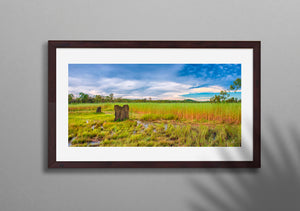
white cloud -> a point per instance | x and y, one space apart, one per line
119 84
167 86
91 90
135 89
214 89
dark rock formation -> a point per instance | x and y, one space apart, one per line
98 110
121 113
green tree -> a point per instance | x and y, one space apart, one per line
106 99
99 99
224 95
83 97
237 84
215 99
70 98
232 100
111 97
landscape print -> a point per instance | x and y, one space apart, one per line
154 105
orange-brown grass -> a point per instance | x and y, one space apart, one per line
219 112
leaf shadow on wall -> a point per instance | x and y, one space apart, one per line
275 186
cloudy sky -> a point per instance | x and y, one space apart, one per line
158 81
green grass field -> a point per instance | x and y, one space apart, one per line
156 125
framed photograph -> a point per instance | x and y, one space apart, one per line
154 104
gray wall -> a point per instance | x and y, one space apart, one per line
26 183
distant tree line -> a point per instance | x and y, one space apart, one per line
224 96
85 98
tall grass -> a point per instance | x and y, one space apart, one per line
222 112
156 124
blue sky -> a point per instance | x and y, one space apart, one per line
158 81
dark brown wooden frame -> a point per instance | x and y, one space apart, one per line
53 45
